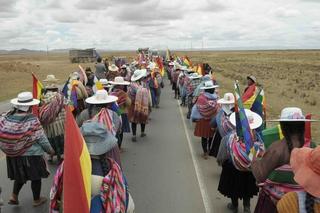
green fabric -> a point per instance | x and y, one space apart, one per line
282 177
270 135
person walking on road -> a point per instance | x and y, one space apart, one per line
203 111
140 103
24 142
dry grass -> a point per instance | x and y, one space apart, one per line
289 78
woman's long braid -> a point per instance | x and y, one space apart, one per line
104 165
309 203
293 128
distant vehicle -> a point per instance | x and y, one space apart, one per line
83 56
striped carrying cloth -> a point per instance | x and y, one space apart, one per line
105 117
18 132
207 105
52 114
113 190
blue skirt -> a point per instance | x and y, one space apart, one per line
125 123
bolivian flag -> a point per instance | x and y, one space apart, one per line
77 169
37 89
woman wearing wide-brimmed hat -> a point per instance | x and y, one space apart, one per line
112 72
203 111
236 181
24 142
192 82
155 85
140 102
274 165
305 163
124 102
52 115
98 109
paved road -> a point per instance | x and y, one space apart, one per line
165 170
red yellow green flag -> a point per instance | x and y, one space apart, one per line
77 169
37 89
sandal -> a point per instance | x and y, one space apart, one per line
13 202
39 202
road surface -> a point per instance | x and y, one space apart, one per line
165 170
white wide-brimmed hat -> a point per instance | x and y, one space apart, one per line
171 63
105 82
228 98
254 119
119 80
194 76
138 74
209 85
101 97
253 78
51 78
113 68
292 114
124 66
24 99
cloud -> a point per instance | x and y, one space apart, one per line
7 6
286 12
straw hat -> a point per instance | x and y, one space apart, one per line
119 80
228 98
51 78
305 163
113 68
251 77
138 74
291 114
209 85
101 97
254 119
24 99
98 139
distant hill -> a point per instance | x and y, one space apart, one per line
21 51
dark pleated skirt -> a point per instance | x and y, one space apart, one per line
125 123
24 168
235 183
265 204
203 129
214 149
57 144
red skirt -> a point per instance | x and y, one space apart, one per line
203 129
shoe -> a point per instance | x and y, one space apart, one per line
205 156
246 209
39 202
134 139
233 208
143 135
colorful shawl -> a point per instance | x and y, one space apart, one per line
122 97
53 104
237 150
113 190
223 124
56 191
18 132
105 117
141 106
207 105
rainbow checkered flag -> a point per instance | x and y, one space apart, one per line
242 123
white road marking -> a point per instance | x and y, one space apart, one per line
202 187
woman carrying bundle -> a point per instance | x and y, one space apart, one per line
204 109
24 142
140 102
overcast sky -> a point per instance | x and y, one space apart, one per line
128 24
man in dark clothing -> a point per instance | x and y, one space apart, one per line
100 69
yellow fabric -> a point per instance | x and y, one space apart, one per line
289 204
85 163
